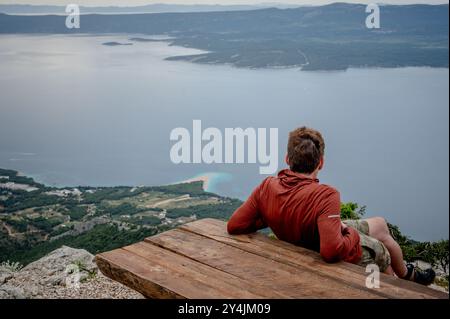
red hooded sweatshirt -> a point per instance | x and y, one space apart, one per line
301 211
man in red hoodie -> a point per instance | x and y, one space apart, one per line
304 212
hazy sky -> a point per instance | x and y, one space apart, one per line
142 2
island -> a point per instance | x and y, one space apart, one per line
114 43
310 38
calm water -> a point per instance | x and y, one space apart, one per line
75 112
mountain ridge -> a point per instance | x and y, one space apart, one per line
330 37
150 8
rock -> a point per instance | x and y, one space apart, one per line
60 259
54 280
5 275
63 273
9 292
31 291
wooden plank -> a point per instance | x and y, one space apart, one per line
293 255
227 285
116 265
158 273
295 282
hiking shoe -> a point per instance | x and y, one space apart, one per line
423 277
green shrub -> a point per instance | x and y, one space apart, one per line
99 239
76 212
146 220
221 211
19 225
350 211
11 266
44 224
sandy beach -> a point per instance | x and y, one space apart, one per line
203 178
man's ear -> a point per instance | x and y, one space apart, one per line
321 163
286 159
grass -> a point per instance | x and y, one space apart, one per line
11 266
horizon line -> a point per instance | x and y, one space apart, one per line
265 4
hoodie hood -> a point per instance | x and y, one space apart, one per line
290 179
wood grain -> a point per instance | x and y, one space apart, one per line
390 286
295 282
201 260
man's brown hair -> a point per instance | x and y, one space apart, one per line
305 149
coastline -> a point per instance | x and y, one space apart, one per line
210 180
205 179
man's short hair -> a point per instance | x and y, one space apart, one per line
305 149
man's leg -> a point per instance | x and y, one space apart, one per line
378 229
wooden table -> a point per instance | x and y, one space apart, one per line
200 260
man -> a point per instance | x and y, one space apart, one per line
304 212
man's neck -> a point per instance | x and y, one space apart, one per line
312 175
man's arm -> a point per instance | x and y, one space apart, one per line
247 218
336 241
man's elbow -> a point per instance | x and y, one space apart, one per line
232 229
331 253
329 257
235 228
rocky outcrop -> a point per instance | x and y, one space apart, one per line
64 273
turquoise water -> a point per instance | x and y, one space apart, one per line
216 179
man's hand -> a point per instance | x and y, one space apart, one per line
343 226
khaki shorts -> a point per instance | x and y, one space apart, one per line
373 250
